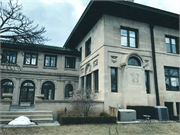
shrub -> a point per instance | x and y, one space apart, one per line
82 120
104 114
143 110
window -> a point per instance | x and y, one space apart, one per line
69 62
48 89
169 105
177 107
9 57
6 86
68 88
88 47
113 79
96 81
171 45
81 53
134 61
88 81
30 59
82 82
50 61
172 78
147 81
128 38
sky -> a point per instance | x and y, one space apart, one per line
59 17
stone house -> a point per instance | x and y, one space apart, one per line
127 52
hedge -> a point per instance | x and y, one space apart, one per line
82 120
143 110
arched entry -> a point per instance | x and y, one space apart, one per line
48 89
27 92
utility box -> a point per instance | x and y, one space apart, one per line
161 113
126 115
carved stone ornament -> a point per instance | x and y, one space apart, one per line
88 68
146 63
135 77
114 59
95 63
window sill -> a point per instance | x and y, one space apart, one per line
72 69
30 66
55 68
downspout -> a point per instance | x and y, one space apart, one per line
154 65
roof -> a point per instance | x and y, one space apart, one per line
37 47
123 9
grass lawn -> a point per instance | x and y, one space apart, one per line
169 128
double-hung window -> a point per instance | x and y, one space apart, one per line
147 81
171 45
30 59
50 61
129 37
172 78
114 80
70 62
9 57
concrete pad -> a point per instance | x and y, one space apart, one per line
55 123
127 122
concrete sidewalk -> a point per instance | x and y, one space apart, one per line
55 123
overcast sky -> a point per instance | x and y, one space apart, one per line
60 16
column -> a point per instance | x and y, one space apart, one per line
92 82
84 82
174 109
16 92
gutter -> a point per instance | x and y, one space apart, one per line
154 64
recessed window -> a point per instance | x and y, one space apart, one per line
50 61
48 89
30 59
70 62
171 45
96 81
134 61
177 107
82 82
113 79
6 86
147 81
169 105
129 38
171 78
88 47
68 88
9 57
88 81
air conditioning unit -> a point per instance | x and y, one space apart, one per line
161 113
126 115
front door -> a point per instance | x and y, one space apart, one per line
27 92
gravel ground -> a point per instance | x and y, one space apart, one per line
163 128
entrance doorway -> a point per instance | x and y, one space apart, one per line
27 92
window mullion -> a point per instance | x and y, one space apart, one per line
128 38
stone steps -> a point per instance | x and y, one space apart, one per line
43 116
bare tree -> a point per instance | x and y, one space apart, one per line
84 101
17 27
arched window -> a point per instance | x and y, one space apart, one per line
6 86
48 89
27 92
68 88
134 61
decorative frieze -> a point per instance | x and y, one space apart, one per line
135 77
95 63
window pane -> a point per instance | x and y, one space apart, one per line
124 41
134 61
113 80
47 61
174 49
173 72
169 105
166 71
177 107
34 57
173 41
27 60
167 41
167 83
123 32
132 33
168 48
53 60
175 82
132 42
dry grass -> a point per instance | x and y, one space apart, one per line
169 128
